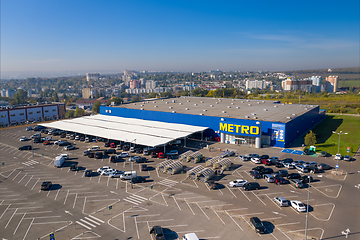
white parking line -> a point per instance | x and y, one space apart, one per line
16 175
259 198
217 215
234 221
203 211
231 191
22 177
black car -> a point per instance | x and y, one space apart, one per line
281 180
88 173
110 151
324 166
280 173
212 184
255 174
144 167
37 140
258 168
293 176
126 148
305 179
138 150
278 164
141 160
98 155
63 135
107 144
64 143
46 185
157 232
74 167
26 147
137 179
251 186
266 171
257 224
113 159
91 155
287 160
82 139
314 170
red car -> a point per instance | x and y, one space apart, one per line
161 155
267 162
112 145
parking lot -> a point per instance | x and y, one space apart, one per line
79 207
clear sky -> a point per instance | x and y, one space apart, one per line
177 35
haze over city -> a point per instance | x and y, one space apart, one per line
61 38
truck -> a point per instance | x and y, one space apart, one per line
59 161
128 175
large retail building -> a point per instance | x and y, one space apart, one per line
235 121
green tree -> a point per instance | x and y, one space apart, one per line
64 96
358 110
96 107
55 97
20 96
78 112
69 114
151 95
310 139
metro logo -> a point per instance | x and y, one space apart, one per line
239 129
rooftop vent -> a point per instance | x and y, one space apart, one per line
170 107
217 102
294 114
186 108
228 106
141 105
254 117
202 101
173 101
232 103
173 111
134 103
249 104
211 105
141 109
188 100
204 110
201 114
155 106
265 109
180 103
288 117
275 106
253 114
195 104
167 102
246 116
223 111
238 107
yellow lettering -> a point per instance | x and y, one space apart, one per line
230 127
237 128
254 130
223 127
245 129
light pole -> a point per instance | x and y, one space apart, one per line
131 162
337 158
307 209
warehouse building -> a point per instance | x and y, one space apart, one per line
254 123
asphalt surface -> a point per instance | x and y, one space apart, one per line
99 207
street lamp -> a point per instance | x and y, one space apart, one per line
131 162
307 209
337 158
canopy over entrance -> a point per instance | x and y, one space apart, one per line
147 133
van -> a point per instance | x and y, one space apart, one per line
59 161
128 175
190 236
269 178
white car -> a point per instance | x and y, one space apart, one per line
347 158
237 183
94 148
58 142
288 165
134 158
103 168
310 164
87 140
302 169
65 155
23 138
298 206
116 174
256 160
123 154
46 139
338 156
108 171
69 147
298 162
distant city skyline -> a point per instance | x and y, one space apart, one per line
63 38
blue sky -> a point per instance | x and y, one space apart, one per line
98 35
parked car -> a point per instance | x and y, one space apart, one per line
282 202
256 159
137 179
107 172
244 158
278 164
293 176
161 155
144 167
87 139
94 148
296 183
146 152
123 154
237 183
265 159
323 154
274 159
298 162
212 184
269 178
258 168
46 185
298 206
69 147
281 180
266 171
324 166
157 233
110 151
64 143
338 156
99 155
113 159
86 152
347 158
106 144
280 173
116 174
255 174
74 167
172 153
26 147
141 160
112 145
91 155
154 154
134 158
306 178
29 129
288 165
302 169
88 173
23 139
99 170
310 164
46 142
251 186
257 224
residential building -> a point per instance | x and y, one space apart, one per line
92 76
332 83
135 84
297 84
150 84
260 84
